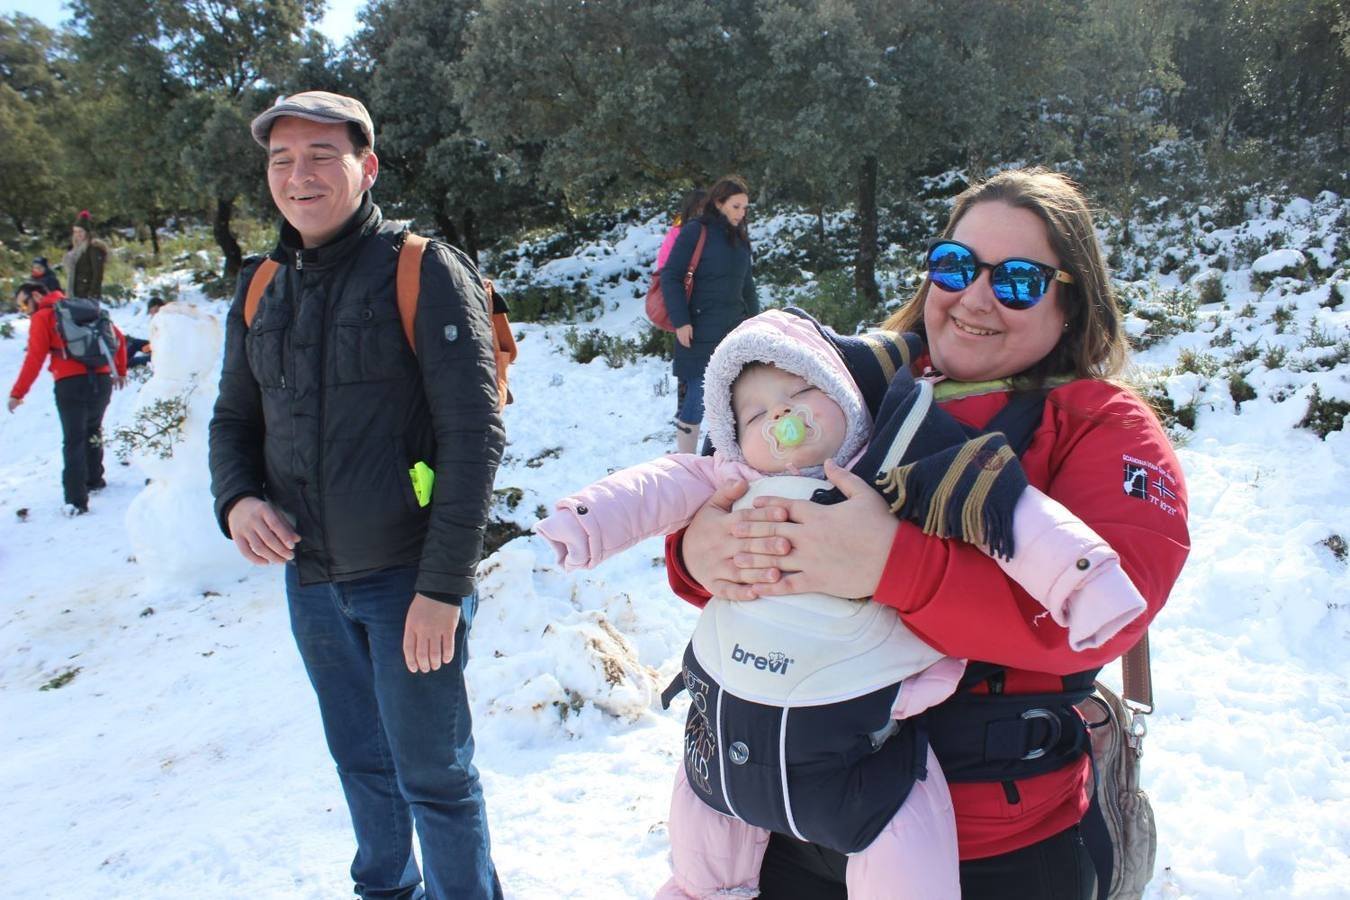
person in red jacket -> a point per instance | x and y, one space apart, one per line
82 394
1016 299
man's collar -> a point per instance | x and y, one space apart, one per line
337 248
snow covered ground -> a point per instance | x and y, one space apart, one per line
160 740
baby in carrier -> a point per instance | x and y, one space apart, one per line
802 708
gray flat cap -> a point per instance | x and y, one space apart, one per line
317 106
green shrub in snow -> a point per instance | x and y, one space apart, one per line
1324 416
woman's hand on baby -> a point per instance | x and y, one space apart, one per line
716 535
839 549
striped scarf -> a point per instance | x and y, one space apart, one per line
933 473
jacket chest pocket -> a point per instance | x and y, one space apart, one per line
369 345
265 346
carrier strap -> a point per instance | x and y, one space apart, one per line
995 737
672 690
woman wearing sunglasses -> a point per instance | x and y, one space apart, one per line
1016 302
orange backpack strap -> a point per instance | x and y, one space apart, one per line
262 277
502 338
408 283
503 343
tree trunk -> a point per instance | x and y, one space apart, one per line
152 221
234 257
865 266
446 226
471 234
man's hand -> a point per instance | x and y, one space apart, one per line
429 635
685 335
261 533
119 382
840 549
14 403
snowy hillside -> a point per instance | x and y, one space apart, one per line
161 739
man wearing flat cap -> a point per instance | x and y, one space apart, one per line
324 413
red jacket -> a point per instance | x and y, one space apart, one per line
1102 453
44 339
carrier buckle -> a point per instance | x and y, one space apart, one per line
883 734
1056 730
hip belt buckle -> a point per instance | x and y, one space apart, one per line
1056 730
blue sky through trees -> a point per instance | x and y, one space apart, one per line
338 23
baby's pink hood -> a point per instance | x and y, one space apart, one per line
795 345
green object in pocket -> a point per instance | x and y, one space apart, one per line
423 477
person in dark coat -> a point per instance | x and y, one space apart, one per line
85 260
723 295
42 273
139 349
323 412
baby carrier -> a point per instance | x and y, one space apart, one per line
790 724
790 728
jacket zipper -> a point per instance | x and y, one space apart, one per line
299 264
318 475
323 400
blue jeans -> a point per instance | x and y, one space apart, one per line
403 742
689 395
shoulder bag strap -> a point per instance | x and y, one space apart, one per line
1137 675
693 262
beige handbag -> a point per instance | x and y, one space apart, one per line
1116 730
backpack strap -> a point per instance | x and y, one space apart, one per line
501 325
108 338
407 287
262 277
408 283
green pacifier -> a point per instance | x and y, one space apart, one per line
789 431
